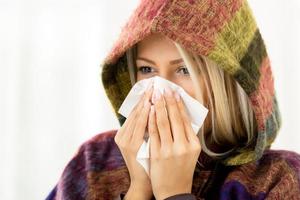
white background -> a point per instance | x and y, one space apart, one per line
51 97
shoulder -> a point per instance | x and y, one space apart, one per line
275 162
101 142
97 165
289 157
281 163
275 175
98 153
105 136
101 151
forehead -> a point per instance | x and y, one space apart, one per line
157 45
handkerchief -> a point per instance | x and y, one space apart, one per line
195 110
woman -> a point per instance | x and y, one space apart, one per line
214 51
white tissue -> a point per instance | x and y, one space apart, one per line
196 111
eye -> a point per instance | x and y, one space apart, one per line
184 70
144 69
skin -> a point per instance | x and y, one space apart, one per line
174 146
151 48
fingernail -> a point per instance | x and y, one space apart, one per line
168 92
157 95
177 96
149 91
150 84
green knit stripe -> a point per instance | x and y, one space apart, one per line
273 123
116 82
249 75
240 158
246 155
264 140
234 39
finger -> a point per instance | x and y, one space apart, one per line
141 123
130 123
174 115
153 133
162 120
190 134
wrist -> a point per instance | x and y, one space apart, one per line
161 195
185 196
138 192
135 196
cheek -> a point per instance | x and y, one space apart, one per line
188 86
141 77
138 77
190 91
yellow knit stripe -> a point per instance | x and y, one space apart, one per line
233 40
241 158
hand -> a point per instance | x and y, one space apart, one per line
129 138
174 146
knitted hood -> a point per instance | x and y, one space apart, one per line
223 31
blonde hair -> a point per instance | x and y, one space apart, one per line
231 116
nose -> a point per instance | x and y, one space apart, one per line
165 75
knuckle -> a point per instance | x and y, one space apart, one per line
182 151
178 123
122 144
194 138
116 139
185 119
152 131
166 153
162 123
196 148
171 102
155 159
144 114
159 106
127 148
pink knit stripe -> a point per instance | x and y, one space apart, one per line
196 23
262 98
179 20
137 28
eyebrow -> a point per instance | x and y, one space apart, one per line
172 62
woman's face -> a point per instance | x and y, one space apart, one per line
158 56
